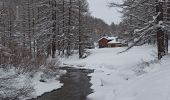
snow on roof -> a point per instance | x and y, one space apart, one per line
111 38
108 38
113 41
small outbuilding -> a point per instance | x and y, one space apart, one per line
109 42
103 42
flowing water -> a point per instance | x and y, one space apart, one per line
76 86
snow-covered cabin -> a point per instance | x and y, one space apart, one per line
109 42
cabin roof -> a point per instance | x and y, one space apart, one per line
109 38
113 42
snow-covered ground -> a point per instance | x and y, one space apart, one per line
14 84
48 86
133 75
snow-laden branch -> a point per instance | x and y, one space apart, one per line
144 32
134 4
140 19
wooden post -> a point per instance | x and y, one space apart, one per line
160 32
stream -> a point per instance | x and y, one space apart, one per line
76 86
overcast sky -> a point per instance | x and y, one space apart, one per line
99 9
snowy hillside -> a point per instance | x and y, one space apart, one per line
133 75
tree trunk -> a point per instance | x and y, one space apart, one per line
166 43
160 32
69 30
80 34
54 18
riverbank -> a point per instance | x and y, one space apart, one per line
76 86
18 85
119 76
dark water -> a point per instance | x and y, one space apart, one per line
76 86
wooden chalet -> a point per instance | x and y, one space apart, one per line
110 42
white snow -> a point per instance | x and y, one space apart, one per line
16 81
112 38
113 41
133 75
11 83
110 58
43 87
109 38
154 85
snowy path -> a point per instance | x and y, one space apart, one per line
76 86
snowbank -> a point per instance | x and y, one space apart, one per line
111 58
47 86
14 85
154 85
133 75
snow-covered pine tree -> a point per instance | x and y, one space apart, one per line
142 20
